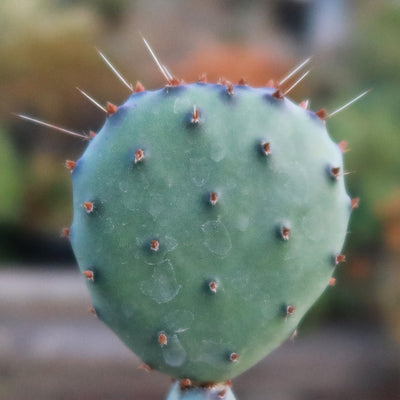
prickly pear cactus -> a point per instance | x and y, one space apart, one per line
208 218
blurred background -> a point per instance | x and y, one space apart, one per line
348 345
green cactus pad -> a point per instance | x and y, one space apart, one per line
208 222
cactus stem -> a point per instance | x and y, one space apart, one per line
266 146
139 156
65 232
70 165
285 232
196 115
340 258
160 67
162 339
92 100
304 104
145 367
113 69
111 108
89 275
56 128
233 357
155 245
332 282
347 104
296 83
354 203
289 310
343 146
297 68
213 286
88 206
213 198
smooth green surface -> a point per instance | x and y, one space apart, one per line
236 243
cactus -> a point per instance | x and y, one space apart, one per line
208 218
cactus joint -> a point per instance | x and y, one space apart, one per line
240 201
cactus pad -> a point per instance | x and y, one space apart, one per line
207 220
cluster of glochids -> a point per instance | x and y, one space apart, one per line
137 277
